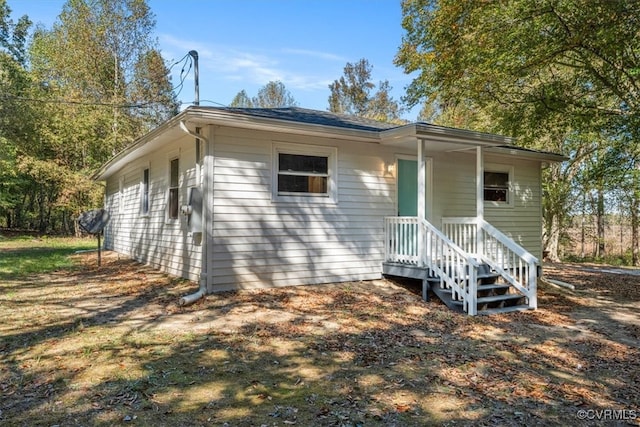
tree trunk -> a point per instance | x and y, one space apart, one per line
634 230
552 239
600 248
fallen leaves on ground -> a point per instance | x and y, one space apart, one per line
110 345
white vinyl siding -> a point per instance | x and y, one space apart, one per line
149 238
523 221
454 195
259 240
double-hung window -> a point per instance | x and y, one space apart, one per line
144 192
172 203
304 173
497 185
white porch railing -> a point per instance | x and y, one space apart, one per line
456 269
515 264
401 239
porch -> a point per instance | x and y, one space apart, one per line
469 264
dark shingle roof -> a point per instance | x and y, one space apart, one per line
303 115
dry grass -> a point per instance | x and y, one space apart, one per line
110 346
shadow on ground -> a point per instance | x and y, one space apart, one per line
109 345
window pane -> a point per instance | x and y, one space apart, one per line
496 179
300 163
302 184
174 173
173 203
495 195
496 187
145 191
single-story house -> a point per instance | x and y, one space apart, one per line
237 198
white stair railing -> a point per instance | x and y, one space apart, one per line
456 269
514 263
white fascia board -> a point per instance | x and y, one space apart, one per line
443 134
522 153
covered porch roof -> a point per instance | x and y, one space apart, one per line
447 139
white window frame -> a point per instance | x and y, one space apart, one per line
145 191
121 195
500 168
169 188
331 153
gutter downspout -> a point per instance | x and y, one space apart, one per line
202 291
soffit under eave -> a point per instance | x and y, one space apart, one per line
144 146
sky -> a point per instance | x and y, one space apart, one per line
244 44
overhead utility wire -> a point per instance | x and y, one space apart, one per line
180 86
71 102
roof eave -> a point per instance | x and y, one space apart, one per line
231 119
445 134
527 154
105 170
205 117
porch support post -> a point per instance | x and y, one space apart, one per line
422 214
479 200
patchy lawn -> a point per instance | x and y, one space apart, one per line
109 345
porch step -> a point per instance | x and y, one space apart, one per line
510 309
492 297
497 288
499 298
494 302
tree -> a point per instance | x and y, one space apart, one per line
549 73
560 55
78 93
152 92
273 95
351 94
241 100
100 52
16 116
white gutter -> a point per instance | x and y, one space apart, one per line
202 291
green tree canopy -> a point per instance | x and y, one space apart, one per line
559 75
351 94
273 95
241 100
70 99
557 56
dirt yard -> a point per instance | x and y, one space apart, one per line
109 345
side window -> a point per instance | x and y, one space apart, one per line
498 185
121 200
144 192
172 201
304 173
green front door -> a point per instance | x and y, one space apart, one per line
407 187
